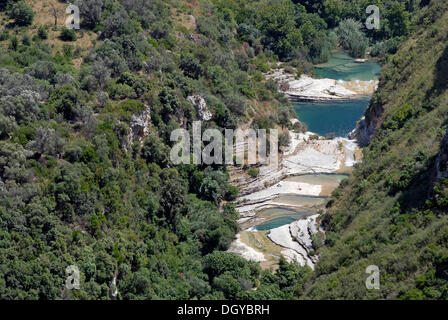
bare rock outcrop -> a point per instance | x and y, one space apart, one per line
307 88
201 107
139 126
296 239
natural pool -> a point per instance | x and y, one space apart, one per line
343 67
338 117
281 216
278 216
300 200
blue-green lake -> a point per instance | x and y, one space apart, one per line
338 117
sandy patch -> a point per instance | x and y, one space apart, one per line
245 251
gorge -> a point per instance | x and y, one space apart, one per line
279 211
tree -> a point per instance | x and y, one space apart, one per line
191 66
24 107
398 20
47 141
284 117
352 38
332 12
117 24
154 150
67 34
172 195
22 13
55 12
101 72
90 12
277 22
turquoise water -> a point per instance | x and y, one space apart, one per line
343 67
287 216
338 117
278 222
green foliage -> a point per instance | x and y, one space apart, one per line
21 13
352 38
42 33
85 176
253 172
67 34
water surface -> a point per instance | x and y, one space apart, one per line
338 117
343 67
319 179
300 200
280 217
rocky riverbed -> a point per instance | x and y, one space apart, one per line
279 208
273 188
307 88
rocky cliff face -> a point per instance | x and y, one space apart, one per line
204 113
366 127
139 126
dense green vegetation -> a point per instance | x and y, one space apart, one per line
78 186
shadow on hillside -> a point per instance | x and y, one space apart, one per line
440 76
420 187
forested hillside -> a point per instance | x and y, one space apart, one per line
85 123
85 175
392 212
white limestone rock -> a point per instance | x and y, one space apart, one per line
201 106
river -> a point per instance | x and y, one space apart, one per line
338 117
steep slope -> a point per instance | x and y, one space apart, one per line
392 212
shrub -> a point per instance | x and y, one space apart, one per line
44 70
21 13
253 172
14 43
90 12
120 91
26 40
67 34
242 60
352 38
235 104
191 66
232 193
42 33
